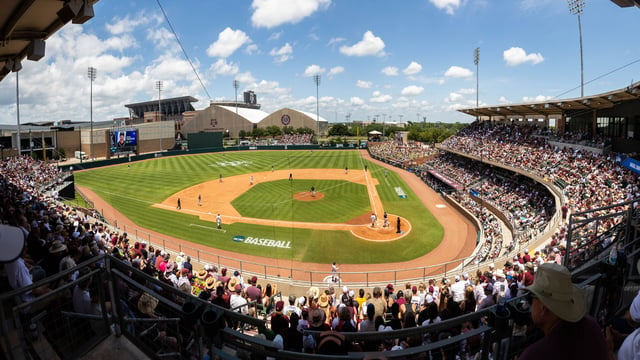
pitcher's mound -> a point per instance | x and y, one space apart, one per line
306 196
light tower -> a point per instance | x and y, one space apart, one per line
236 85
476 61
91 72
575 8
159 87
316 80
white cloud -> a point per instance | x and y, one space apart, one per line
412 69
364 84
447 5
313 70
335 41
222 67
454 97
516 56
356 101
283 54
119 26
251 49
335 71
467 91
412 90
538 98
503 100
275 35
378 97
245 78
228 42
272 13
390 71
458 72
369 45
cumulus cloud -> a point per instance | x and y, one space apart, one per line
390 71
538 98
283 54
503 100
251 49
228 42
356 101
335 71
222 67
313 70
272 13
458 72
369 45
453 97
364 84
412 69
412 90
379 97
119 26
516 56
467 91
449 6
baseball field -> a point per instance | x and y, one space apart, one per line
267 207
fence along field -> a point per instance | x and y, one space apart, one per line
137 188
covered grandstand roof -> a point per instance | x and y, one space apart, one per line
558 107
25 25
253 115
627 3
170 106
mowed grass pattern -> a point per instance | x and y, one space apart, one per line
133 190
341 201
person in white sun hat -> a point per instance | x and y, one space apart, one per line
558 308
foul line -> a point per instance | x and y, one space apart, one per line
208 227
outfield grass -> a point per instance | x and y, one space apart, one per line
133 190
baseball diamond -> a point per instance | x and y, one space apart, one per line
333 226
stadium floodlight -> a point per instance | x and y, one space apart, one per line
575 8
476 61
236 85
159 87
316 80
91 72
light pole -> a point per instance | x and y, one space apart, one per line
316 79
236 85
159 87
476 61
575 8
92 76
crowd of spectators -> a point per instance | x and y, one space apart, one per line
295 139
405 154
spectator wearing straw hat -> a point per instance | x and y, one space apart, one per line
558 308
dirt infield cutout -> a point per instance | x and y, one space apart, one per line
224 192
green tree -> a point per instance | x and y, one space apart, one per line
273 130
259 132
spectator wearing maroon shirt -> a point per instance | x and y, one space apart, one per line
279 321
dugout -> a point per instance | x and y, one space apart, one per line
204 140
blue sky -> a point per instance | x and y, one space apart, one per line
406 59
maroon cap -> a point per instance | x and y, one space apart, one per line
238 288
390 287
279 305
254 279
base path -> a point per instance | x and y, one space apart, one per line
458 242
216 197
